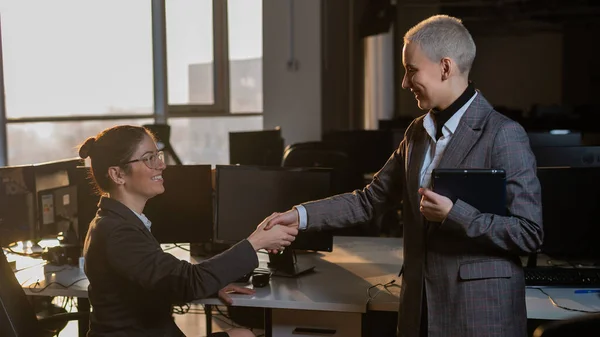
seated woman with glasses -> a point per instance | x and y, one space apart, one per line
133 282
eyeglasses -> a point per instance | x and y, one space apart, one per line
371 294
153 160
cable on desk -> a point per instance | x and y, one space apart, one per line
32 255
563 307
385 287
34 286
181 247
175 245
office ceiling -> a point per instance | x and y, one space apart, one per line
516 15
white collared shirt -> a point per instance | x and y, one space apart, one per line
144 219
435 148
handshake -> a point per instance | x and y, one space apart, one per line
276 232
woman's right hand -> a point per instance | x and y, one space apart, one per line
277 238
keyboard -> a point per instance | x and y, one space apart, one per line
556 276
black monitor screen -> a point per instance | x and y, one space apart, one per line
260 148
87 200
17 218
570 202
184 212
57 210
17 204
246 195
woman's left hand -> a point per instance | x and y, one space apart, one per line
224 293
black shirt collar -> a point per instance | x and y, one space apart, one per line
441 117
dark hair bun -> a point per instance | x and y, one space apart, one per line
86 148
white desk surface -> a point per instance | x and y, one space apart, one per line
340 280
339 283
36 278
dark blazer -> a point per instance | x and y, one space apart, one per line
133 283
470 264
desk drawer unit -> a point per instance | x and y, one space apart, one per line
299 323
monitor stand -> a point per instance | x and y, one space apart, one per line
285 264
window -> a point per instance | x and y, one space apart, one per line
31 143
70 66
72 57
193 45
245 55
190 51
206 140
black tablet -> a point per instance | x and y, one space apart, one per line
484 189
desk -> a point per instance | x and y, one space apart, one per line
337 289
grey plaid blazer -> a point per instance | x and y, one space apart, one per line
470 264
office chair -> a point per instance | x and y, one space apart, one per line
17 316
258 148
368 150
344 178
582 326
317 154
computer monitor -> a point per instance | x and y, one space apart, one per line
246 195
57 211
50 176
260 148
570 201
572 156
184 212
87 200
554 138
17 204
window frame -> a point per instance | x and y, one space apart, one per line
220 70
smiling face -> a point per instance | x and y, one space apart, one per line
422 76
143 181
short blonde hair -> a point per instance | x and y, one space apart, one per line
442 36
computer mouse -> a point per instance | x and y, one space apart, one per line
260 280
